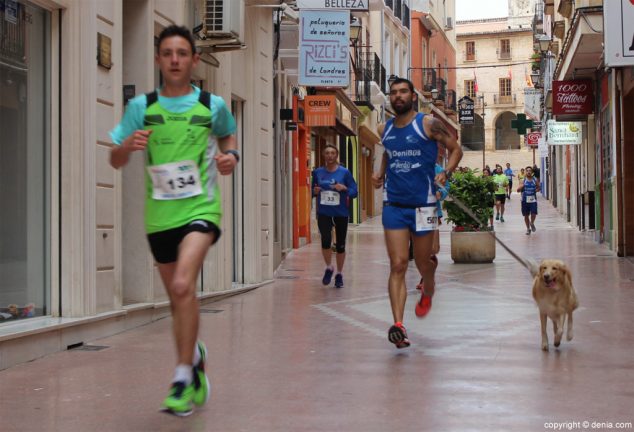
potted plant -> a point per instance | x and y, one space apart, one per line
536 59
471 241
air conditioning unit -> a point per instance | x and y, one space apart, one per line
449 23
224 19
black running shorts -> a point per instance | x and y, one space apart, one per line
164 244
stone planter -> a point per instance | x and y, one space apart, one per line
472 247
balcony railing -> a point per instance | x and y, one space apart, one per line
405 16
499 99
424 79
504 54
379 74
450 100
369 69
441 86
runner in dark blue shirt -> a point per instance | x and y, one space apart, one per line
411 148
529 188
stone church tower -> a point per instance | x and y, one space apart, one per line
521 13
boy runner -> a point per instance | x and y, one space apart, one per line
187 138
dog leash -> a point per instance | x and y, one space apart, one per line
529 264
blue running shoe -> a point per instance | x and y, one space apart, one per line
338 280
327 276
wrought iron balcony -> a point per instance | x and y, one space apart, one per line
369 70
441 86
504 54
499 99
424 79
450 100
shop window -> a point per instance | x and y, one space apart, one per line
24 161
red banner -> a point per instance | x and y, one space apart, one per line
573 97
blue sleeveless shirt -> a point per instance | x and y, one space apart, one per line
530 189
411 160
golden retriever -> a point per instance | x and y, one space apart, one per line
555 297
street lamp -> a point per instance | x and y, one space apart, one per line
535 78
391 80
355 29
544 44
481 97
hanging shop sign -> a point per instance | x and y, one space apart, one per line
618 32
533 103
573 97
466 110
357 5
323 48
532 139
564 133
543 148
320 110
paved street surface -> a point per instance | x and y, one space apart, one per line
298 356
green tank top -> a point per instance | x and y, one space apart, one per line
181 173
502 181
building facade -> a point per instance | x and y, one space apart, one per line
590 181
494 70
433 53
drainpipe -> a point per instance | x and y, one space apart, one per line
621 246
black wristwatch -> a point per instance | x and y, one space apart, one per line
448 174
235 154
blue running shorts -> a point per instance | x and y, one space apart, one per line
529 208
396 218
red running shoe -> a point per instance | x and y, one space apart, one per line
423 306
398 335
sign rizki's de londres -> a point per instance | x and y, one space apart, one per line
323 48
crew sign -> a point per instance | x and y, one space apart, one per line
323 48
357 5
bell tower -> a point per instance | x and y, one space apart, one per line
521 13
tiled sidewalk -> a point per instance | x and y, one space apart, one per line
298 356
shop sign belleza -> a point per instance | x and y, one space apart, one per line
572 97
564 133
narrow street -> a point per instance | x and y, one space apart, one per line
297 356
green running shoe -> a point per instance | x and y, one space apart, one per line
179 401
202 388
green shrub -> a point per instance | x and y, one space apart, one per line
477 193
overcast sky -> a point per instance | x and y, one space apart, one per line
476 9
